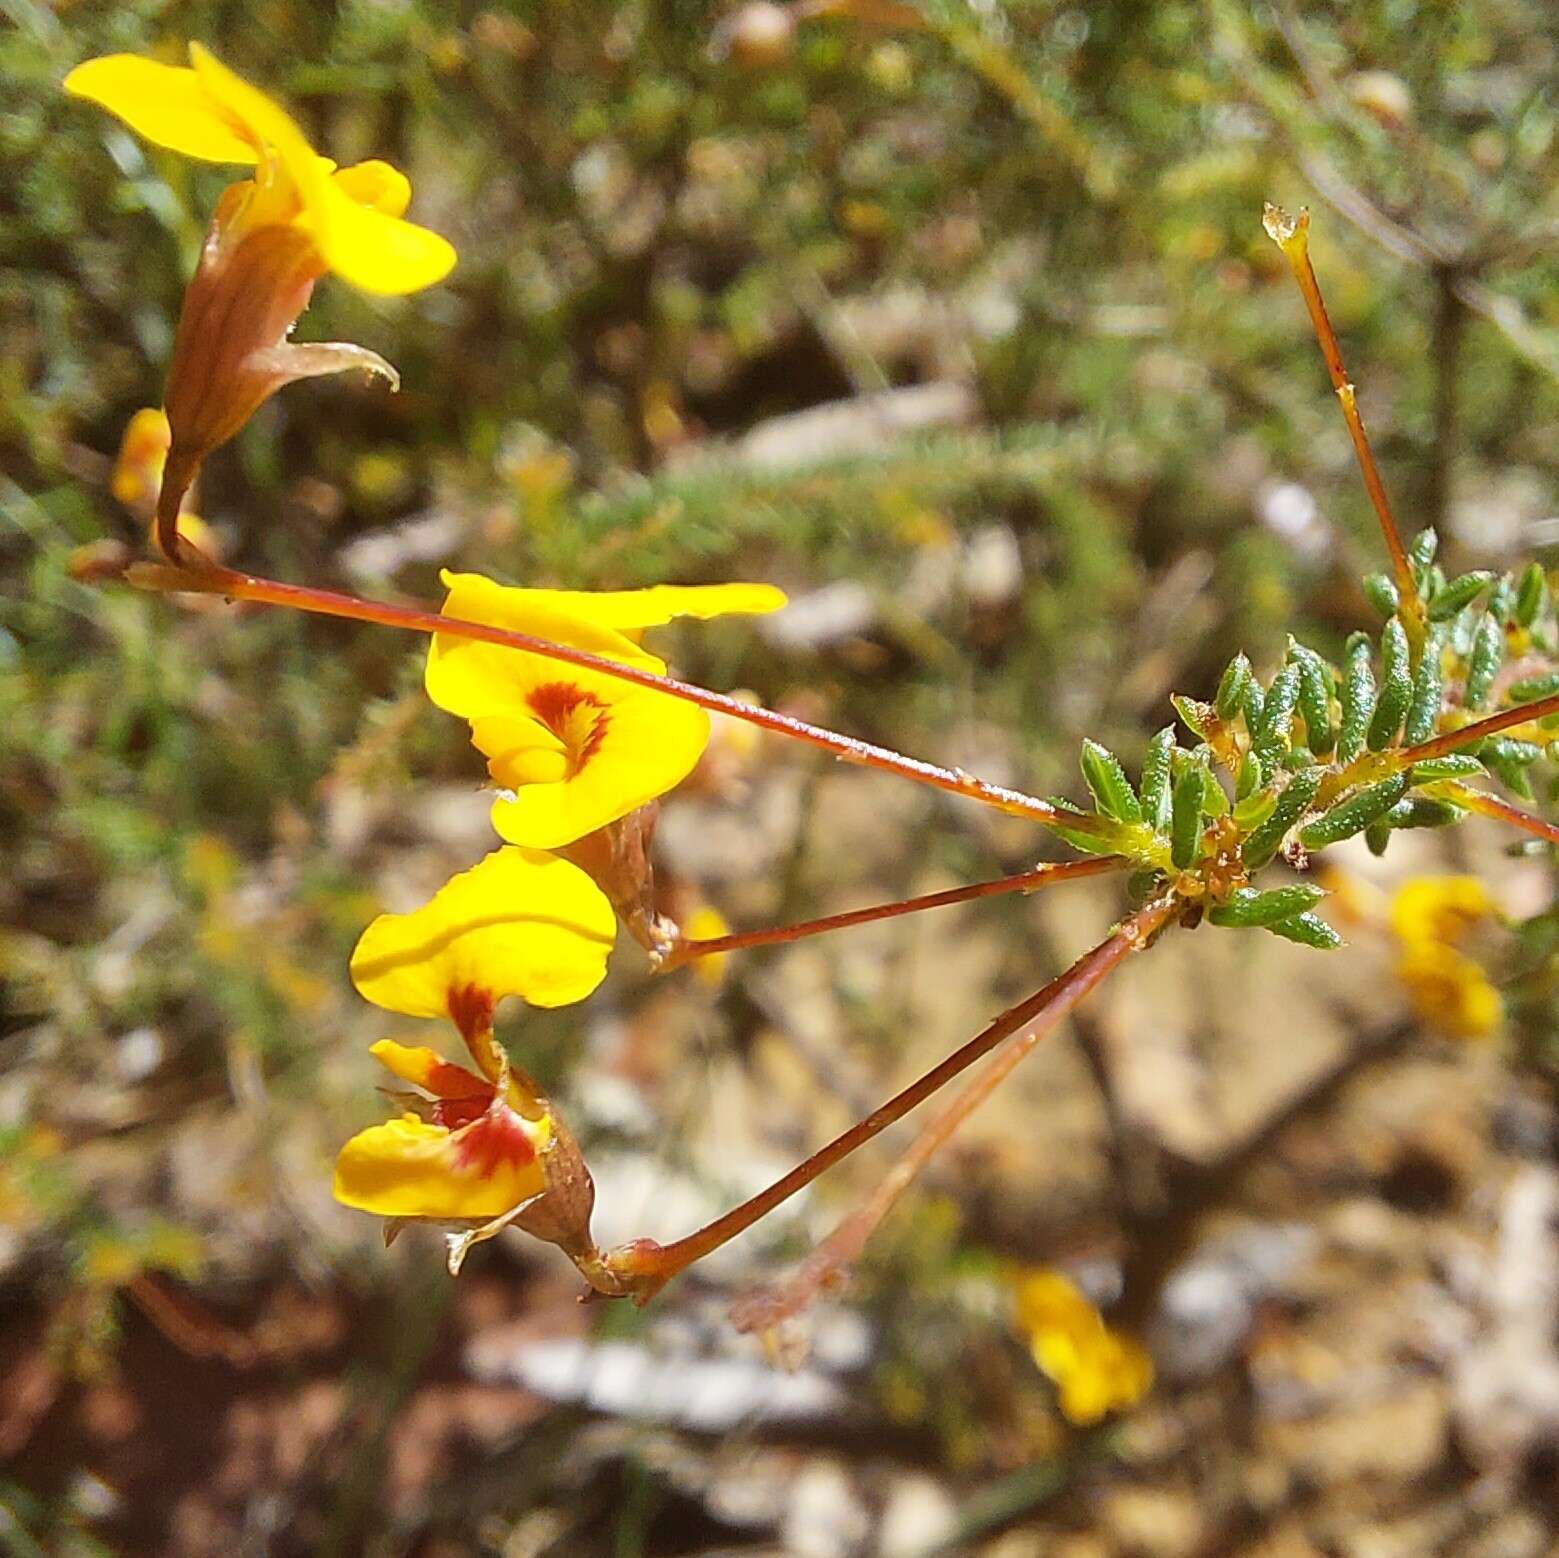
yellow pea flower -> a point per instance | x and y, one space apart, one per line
137 474
1449 990
1095 1370
1439 908
578 748
474 1149
271 238
519 922
1430 916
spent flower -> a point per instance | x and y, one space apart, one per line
271 238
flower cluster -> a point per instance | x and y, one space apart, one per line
580 757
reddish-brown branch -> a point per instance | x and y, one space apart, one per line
1487 805
1292 236
1021 882
644 1266
849 749
1490 725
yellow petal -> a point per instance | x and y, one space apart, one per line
376 184
372 250
266 124
167 104
517 923
650 743
628 611
409 1168
470 678
143 452
427 1069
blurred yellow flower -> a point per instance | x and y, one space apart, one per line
1449 990
706 923
271 238
137 474
1095 1370
1439 908
578 748
1431 915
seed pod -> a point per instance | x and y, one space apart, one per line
1396 686
1533 688
1458 593
1107 781
1309 930
1155 778
1185 824
1488 650
1246 906
1428 689
1381 593
1531 594
1278 713
1230 698
1262 843
1423 546
1355 814
1455 765
1315 700
1358 699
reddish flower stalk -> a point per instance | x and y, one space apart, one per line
174 577
1292 236
645 1266
1467 735
1487 805
1021 882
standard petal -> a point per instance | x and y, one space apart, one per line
265 123
630 611
469 678
167 104
517 923
409 1168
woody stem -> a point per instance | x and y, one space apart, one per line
212 580
1021 882
646 1266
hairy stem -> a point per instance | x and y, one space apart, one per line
645 1266
1292 236
848 749
1021 882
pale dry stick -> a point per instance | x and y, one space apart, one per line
1292 236
175 578
1021 882
826 1266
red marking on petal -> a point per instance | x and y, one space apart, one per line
455 1113
496 1138
577 718
470 1009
